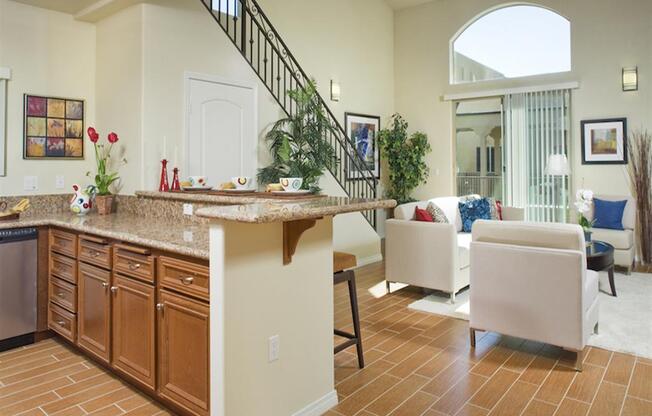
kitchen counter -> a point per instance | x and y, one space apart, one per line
181 237
281 211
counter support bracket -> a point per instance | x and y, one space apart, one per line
292 231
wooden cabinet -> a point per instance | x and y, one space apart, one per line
62 322
94 311
63 294
133 329
96 251
185 277
134 262
63 242
183 347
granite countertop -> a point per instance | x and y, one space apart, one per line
181 237
278 211
204 198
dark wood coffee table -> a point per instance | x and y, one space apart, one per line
600 256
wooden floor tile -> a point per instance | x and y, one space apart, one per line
609 400
415 405
586 383
620 369
641 384
598 356
539 408
515 401
636 407
390 400
489 395
555 386
570 407
457 396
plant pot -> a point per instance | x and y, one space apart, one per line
104 204
587 237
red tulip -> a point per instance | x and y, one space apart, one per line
92 134
113 138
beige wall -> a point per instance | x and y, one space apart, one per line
120 89
422 36
49 54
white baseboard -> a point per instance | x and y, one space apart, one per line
320 406
369 259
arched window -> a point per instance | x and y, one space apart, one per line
510 42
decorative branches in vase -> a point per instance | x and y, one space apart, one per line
103 178
640 179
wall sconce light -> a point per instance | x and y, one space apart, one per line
630 79
335 91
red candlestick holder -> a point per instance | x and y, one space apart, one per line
176 186
164 186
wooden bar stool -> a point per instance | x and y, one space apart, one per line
342 262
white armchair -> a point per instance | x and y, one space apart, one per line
529 280
430 255
622 240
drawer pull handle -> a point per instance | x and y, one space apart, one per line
95 254
187 280
114 289
61 294
61 323
160 306
134 266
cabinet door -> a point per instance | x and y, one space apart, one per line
133 336
94 311
183 345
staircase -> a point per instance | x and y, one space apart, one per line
260 45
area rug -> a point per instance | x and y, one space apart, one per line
625 321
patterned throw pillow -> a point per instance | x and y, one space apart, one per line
476 209
436 213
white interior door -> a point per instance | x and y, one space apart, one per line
222 141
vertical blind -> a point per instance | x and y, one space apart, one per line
536 127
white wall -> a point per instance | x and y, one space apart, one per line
422 36
49 54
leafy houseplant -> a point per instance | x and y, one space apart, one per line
640 175
405 156
298 143
103 180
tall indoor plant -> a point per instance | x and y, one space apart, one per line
299 144
405 157
640 176
103 178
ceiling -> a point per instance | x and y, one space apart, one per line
404 4
66 6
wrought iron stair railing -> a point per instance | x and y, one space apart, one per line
252 33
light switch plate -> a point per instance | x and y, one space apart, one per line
59 182
30 183
187 209
274 348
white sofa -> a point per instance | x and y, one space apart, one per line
529 280
431 255
622 240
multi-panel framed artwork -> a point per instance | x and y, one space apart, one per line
53 128
604 141
363 131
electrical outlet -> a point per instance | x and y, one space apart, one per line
187 236
187 209
30 183
274 347
59 182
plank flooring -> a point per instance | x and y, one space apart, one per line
420 364
50 378
417 364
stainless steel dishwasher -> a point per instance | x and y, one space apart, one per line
18 263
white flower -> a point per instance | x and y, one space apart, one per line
587 194
582 207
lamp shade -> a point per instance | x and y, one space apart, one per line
557 165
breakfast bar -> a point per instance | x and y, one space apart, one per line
271 331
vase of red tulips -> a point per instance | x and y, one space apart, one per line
103 179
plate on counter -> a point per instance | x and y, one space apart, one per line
299 192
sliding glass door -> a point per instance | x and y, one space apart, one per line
515 148
537 171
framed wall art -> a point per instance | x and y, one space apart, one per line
604 141
53 128
363 131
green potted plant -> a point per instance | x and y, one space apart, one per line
103 179
405 158
298 143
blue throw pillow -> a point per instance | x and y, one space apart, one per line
608 214
475 209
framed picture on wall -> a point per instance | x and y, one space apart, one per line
53 128
363 130
604 141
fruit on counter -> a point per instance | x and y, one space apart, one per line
22 206
227 185
273 187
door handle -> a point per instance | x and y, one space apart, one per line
114 289
160 306
105 285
